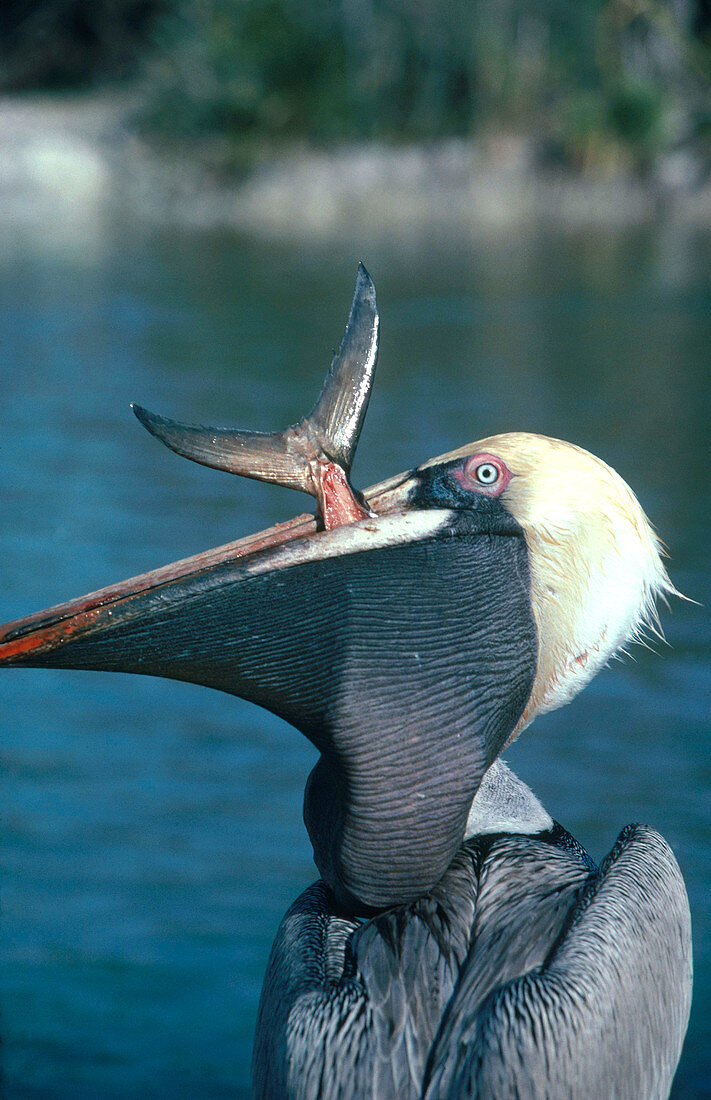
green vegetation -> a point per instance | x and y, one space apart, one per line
69 44
601 84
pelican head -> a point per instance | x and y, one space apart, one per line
595 561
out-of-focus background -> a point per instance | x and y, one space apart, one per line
185 189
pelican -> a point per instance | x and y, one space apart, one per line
459 943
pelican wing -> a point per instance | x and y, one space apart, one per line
349 1010
355 1011
606 1012
525 973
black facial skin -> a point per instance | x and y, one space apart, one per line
437 487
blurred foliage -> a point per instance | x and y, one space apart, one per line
598 83
60 44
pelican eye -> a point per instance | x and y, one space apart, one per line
487 473
484 473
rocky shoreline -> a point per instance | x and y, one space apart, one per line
80 158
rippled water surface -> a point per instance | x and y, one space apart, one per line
152 834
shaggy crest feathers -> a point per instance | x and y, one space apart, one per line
596 567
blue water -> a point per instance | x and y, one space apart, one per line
152 833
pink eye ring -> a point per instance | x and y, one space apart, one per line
485 473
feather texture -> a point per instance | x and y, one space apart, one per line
515 977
